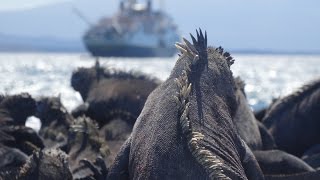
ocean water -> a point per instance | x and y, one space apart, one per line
43 74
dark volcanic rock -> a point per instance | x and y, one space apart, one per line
15 109
22 138
11 159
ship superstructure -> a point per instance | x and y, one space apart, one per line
136 30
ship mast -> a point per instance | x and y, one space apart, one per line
82 16
131 2
161 5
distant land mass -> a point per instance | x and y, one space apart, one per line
49 28
10 43
273 27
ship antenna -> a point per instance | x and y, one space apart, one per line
81 16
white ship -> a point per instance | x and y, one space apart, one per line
136 30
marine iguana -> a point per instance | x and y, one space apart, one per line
261 142
244 120
15 109
55 121
294 120
277 162
114 98
185 130
85 147
46 164
110 93
51 109
83 79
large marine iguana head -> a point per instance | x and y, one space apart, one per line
83 78
207 69
207 103
185 130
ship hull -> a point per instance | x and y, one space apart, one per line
129 51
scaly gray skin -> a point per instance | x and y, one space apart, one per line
258 139
84 147
51 109
260 113
118 98
83 79
185 130
294 120
115 133
277 162
49 164
267 139
244 119
250 130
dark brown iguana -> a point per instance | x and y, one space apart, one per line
48 164
294 119
110 93
55 121
185 130
271 161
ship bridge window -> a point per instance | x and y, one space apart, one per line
139 7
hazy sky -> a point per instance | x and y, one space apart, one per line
9 5
246 24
